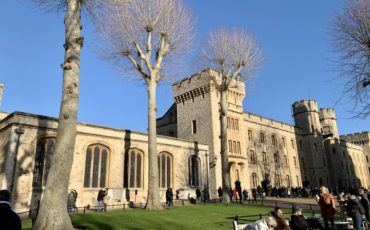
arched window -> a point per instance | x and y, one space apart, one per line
133 169
194 171
254 180
165 170
96 166
44 153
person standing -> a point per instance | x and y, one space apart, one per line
169 197
105 199
198 194
219 191
364 202
9 220
327 206
355 211
71 201
238 188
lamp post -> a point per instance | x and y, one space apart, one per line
19 131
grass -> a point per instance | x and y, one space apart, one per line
194 217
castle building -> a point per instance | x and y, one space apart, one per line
260 150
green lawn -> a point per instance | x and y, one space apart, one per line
202 217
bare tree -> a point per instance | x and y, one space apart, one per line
234 55
350 34
144 35
53 210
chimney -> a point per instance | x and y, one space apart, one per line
1 93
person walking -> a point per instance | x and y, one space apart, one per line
9 220
327 206
219 191
100 200
254 194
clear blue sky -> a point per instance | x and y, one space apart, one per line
293 35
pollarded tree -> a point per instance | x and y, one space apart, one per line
53 210
350 34
143 35
235 55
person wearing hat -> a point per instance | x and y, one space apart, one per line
297 220
355 211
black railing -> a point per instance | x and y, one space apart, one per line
313 209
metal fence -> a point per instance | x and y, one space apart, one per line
312 209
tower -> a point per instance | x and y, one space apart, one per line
312 154
198 119
306 116
329 123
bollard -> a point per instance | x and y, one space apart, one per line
183 203
84 209
260 216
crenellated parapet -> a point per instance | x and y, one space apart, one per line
201 84
304 106
327 113
190 95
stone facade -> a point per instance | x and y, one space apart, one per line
24 148
261 150
360 139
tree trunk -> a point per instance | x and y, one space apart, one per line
153 201
53 210
224 153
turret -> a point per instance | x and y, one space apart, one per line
329 123
306 116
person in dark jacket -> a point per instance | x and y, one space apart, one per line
169 197
364 202
355 211
297 220
219 191
101 194
9 220
198 194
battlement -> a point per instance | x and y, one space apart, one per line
303 106
327 113
356 136
201 83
